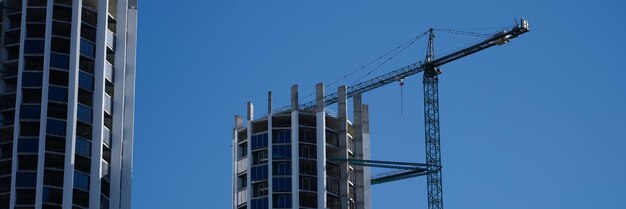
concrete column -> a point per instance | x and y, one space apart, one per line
70 139
235 153
320 115
358 149
295 140
270 158
269 103
342 136
367 173
249 147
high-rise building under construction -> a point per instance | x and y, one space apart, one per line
295 158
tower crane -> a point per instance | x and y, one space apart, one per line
431 68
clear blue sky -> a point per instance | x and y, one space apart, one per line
538 123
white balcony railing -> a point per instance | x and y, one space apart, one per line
108 71
242 165
110 39
106 136
242 196
108 104
106 170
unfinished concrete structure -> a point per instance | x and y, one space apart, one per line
270 170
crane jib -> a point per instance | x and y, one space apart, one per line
365 86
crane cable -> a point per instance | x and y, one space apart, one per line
392 56
402 47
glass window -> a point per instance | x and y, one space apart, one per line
62 13
106 154
59 61
259 189
56 127
308 135
259 141
104 203
332 202
81 181
83 130
28 145
86 64
83 147
34 63
26 179
36 2
308 151
25 196
55 144
332 170
281 184
5 185
259 157
85 80
58 77
29 128
58 94
105 188
89 17
259 173
35 30
27 162
61 29
260 203
282 201
308 167
36 15
32 79
6 151
281 152
80 197
52 195
281 136
60 45
31 95
84 114
87 48
57 110
30 111
281 168
82 164
53 178
88 32
85 97
308 199
63 2
33 46
54 161
308 183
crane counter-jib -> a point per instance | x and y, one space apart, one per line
362 87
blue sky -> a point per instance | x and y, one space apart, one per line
537 123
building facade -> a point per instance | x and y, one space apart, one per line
67 103
296 158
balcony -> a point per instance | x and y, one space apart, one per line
110 39
106 136
242 165
108 104
109 72
242 196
